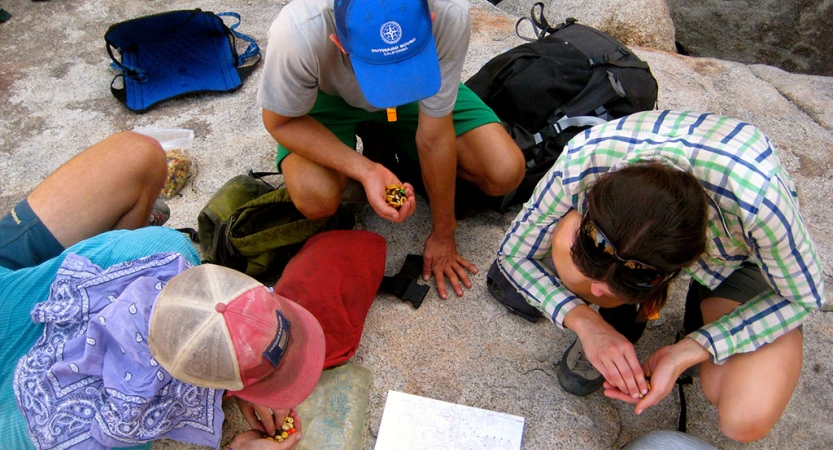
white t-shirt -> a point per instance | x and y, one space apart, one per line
300 59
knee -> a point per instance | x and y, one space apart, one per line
314 206
145 153
503 178
504 182
746 425
137 143
315 212
314 190
134 158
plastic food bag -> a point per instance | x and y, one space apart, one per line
333 415
179 170
174 141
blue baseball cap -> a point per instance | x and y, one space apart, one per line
391 48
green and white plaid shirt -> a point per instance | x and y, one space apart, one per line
753 216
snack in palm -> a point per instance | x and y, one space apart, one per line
284 431
395 195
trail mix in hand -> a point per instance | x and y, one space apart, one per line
287 429
648 382
395 195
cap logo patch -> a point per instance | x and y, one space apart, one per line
391 32
274 353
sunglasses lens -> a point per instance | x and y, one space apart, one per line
631 273
645 278
595 245
640 278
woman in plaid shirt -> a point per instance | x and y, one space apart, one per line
619 216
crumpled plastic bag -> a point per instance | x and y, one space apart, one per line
179 171
174 141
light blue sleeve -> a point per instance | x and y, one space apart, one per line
20 290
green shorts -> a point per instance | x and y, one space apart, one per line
342 119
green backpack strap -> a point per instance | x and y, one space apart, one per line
269 227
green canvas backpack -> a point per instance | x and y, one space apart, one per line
251 226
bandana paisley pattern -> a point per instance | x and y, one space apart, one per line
90 380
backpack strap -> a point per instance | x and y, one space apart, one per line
596 92
191 233
123 70
563 123
252 51
261 175
683 380
615 59
541 28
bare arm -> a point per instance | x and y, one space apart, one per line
436 144
307 138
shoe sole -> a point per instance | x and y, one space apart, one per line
496 291
575 384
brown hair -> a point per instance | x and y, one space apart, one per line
651 213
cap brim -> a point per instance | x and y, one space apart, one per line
396 84
299 370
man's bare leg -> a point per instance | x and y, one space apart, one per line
488 157
315 190
111 185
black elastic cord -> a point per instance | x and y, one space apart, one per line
682 381
192 234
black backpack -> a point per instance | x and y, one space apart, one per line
565 80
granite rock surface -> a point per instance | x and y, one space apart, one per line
56 101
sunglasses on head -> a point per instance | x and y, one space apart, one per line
598 248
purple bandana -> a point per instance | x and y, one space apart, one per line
90 380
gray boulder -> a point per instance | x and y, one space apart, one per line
794 36
640 23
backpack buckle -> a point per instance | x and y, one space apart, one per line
404 284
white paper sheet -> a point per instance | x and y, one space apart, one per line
411 422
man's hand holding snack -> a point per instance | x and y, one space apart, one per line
376 186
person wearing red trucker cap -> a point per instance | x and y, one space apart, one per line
332 66
118 338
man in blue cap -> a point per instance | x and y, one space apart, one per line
334 64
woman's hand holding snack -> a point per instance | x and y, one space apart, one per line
284 439
664 367
261 418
